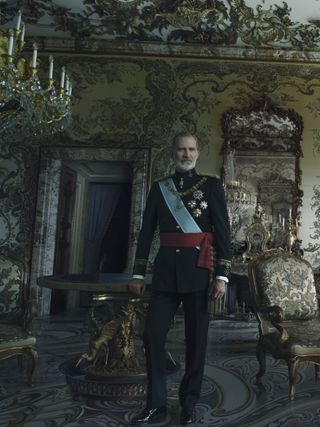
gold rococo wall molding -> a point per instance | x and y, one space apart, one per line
104 47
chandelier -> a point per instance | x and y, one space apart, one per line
26 107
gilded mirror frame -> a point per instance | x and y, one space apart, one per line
265 134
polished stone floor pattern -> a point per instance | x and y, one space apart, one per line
229 394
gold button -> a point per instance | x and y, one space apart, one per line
177 226
177 250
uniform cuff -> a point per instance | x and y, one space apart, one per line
225 279
138 276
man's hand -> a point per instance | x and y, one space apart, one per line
137 286
217 289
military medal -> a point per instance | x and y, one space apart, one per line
198 195
203 205
196 204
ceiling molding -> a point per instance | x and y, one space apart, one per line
244 23
105 48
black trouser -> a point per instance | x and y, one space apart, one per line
162 308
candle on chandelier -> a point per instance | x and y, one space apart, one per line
70 89
10 44
51 67
67 85
23 31
63 73
34 56
290 211
18 21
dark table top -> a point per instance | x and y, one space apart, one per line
104 282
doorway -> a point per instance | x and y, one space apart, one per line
93 223
52 161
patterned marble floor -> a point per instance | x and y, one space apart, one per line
229 395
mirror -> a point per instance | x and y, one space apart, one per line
261 173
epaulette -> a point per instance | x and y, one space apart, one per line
211 175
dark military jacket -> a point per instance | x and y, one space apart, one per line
175 268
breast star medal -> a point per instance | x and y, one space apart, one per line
196 204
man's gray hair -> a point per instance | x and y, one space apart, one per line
180 135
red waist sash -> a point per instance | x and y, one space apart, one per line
191 240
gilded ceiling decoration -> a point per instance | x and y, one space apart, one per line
217 22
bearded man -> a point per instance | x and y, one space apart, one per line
192 266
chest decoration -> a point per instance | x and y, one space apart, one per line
181 183
182 215
197 204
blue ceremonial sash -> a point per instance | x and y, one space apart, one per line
177 208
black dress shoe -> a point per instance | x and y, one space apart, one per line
149 416
187 417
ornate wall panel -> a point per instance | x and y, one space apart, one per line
18 174
139 102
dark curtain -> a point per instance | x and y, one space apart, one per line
103 199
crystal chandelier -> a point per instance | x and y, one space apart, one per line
25 106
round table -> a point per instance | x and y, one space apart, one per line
110 367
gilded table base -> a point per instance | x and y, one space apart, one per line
83 383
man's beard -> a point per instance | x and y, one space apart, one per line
184 166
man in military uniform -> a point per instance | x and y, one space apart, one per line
191 266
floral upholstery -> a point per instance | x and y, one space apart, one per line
288 283
286 305
11 281
16 338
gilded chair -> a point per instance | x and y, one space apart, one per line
285 303
16 338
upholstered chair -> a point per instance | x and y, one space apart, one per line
286 306
16 337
